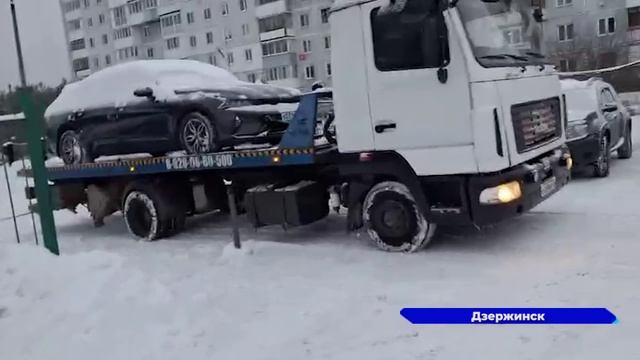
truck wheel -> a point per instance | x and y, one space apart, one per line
151 212
626 150
601 166
393 219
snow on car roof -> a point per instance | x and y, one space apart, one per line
573 84
114 86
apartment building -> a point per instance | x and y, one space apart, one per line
285 42
588 34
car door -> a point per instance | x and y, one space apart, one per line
612 114
139 128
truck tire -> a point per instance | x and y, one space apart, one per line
393 219
151 211
626 150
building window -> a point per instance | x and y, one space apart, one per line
245 29
211 59
309 72
567 65
606 26
86 3
129 52
119 16
225 9
304 20
105 39
74 25
306 46
107 59
122 33
634 16
207 13
230 58
565 32
71 6
278 73
513 36
90 22
324 15
190 18
81 64
98 2
146 31
193 41
135 7
96 63
251 77
327 42
561 3
248 55
243 5
101 18
328 67
150 4
150 53
227 35
77 45
170 24
92 44
209 36
275 47
173 43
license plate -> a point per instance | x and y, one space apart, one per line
287 116
548 186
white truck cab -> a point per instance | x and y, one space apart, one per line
459 92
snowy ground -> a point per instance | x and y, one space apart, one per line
316 293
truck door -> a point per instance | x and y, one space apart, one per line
411 108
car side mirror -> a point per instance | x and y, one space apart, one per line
144 92
610 107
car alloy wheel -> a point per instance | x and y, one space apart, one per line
70 149
197 134
601 167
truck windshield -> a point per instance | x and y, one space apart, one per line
502 33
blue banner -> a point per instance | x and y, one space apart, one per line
498 316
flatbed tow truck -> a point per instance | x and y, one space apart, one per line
441 138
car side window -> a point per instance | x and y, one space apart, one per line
406 38
607 97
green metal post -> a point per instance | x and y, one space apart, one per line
34 115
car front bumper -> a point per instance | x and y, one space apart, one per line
585 151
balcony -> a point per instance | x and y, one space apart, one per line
116 3
266 9
73 15
144 16
79 54
276 34
75 34
124 42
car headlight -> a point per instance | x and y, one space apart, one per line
577 129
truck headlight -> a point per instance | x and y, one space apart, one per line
577 129
501 194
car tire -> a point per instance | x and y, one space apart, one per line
626 150
601 168
393 219
71 150
197 134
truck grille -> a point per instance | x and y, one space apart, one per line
536 123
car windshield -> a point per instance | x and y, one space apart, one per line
502 33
